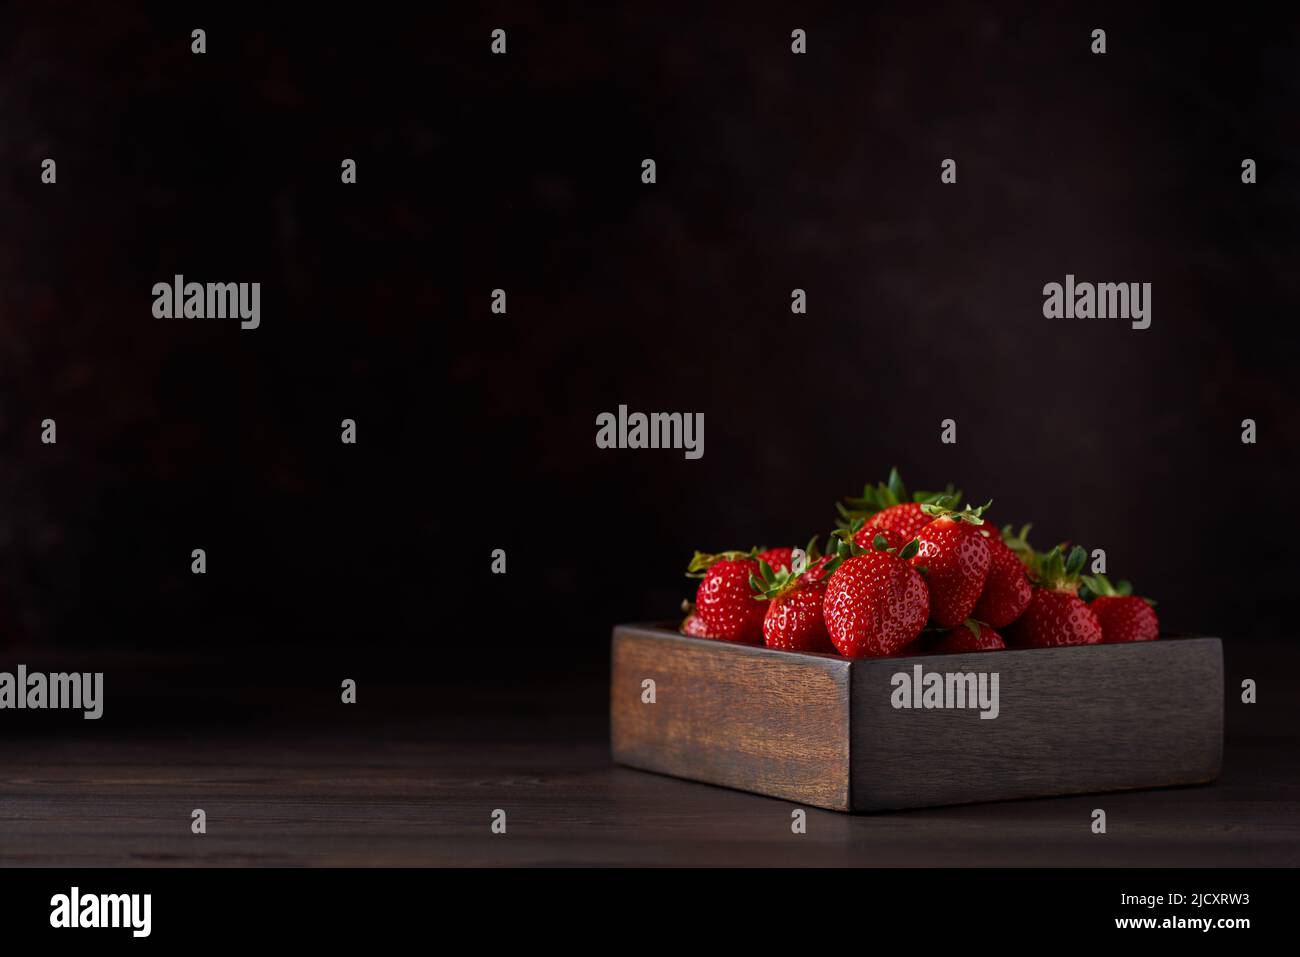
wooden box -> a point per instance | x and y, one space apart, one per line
832 732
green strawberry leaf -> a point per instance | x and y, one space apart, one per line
1018 542
1099 586
896 489
883 495
701 562
1047 567
948 497
1095 586
967 514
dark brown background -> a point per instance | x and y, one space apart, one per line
476 431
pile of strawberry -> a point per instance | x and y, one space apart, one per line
912 573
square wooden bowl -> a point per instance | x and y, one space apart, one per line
831 732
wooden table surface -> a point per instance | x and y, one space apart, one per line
415 782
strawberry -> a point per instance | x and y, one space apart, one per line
794 619
821 568
785 558
778 558
1123 615
876 603
691 625
724 602
956 557
1056 615
898 523
889 510
1007 590
968 636
1056 618
1125 618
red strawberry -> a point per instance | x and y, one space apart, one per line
968 636
794 619
957 558
888 509
1125 618
786 558
876 604
778 558
1056 614
794 594
1123 615
820 569
692 626
1056 618
1007 590
809 559
898 523
724 602
815 566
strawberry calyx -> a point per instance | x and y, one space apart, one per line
883 495
1055 571
701 562
841 541
906 552
973 516
845 545
1018 542
1099 586
769 584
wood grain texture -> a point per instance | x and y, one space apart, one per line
772 722
1072 720
409 778
398 798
